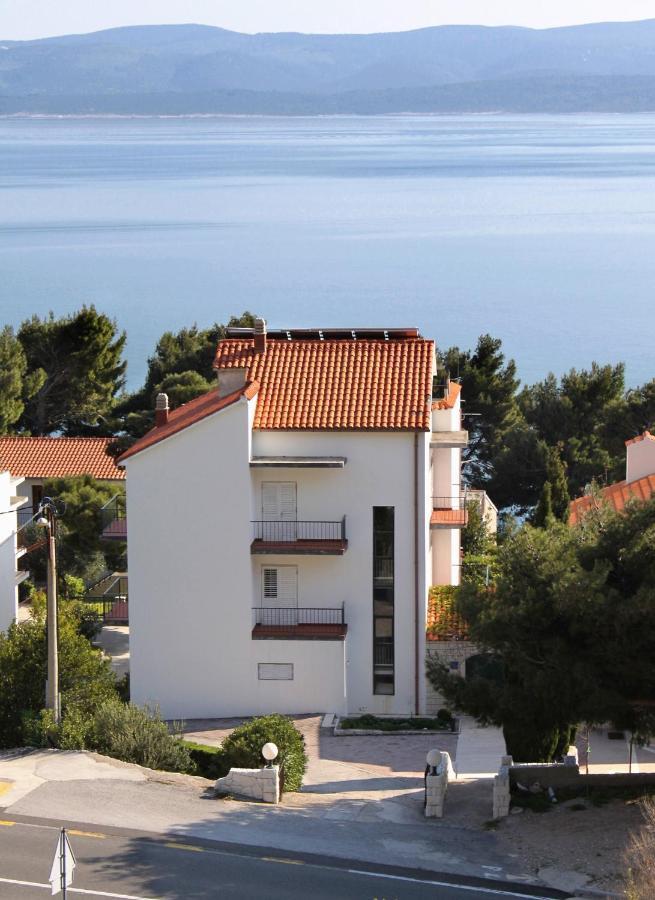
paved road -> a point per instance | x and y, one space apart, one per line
116 863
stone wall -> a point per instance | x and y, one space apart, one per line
454 654
436 787
253 784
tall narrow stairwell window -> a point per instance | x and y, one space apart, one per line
383 599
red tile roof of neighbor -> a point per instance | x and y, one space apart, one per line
58 457
188 414
347 385
646 436
616 495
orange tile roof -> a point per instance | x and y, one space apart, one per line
58 457
646 436
616 495
188 414
347 385
447 402
444 623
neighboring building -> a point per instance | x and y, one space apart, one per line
38 459
11 549
285 528
488 509
639 481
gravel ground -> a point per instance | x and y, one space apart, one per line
590 841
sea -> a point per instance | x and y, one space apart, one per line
539 230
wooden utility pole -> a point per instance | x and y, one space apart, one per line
52 684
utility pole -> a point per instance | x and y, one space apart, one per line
49 521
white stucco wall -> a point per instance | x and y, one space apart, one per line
194 581
8 588
640 459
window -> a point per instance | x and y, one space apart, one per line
275 671
383 600
279 586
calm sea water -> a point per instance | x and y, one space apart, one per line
540 230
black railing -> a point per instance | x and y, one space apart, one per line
282 532
112 610
383 654
113 518
291 616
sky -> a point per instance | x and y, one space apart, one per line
29 19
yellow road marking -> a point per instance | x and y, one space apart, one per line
93 834
5 786
175 846
287 862
8 824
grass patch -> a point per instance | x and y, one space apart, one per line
374 723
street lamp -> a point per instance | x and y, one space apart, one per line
270 752
47 519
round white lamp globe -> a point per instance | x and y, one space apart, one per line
433 758
269 752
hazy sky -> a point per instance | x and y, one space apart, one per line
25 19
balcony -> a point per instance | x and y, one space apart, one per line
449 440
299 623
29 536
113 519
449 512
293 537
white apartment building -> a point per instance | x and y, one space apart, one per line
11 548
284 529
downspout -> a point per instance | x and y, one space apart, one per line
416 579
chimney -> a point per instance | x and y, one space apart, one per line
161 409
231 380
260 335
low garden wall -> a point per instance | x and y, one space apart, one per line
253 784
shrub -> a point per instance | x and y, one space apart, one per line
445 717
85 677
640 856
137 735
40 730
243 748
207 761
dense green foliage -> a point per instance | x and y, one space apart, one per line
78 360
442 722
137 735
567 431
243 748
570 624
86 679
16 385
207 761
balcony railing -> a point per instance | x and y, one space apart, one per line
450 512
383 654
299 536
299 623
29 535
291 616
113 519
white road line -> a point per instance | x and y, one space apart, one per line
457 887
72 890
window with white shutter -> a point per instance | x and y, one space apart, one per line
279 586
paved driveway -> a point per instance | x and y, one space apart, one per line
355 767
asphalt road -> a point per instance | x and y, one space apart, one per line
123 865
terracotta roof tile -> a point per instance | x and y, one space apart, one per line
188 414
356 385
447 402
58 457
646 436
616 495
444 622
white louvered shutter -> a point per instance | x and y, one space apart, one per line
279 501
280 586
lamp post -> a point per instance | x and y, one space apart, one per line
48 520
269 752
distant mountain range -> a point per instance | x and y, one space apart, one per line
186 69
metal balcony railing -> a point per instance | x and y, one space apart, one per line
113 518
292 616
383 654
451 510
278 532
